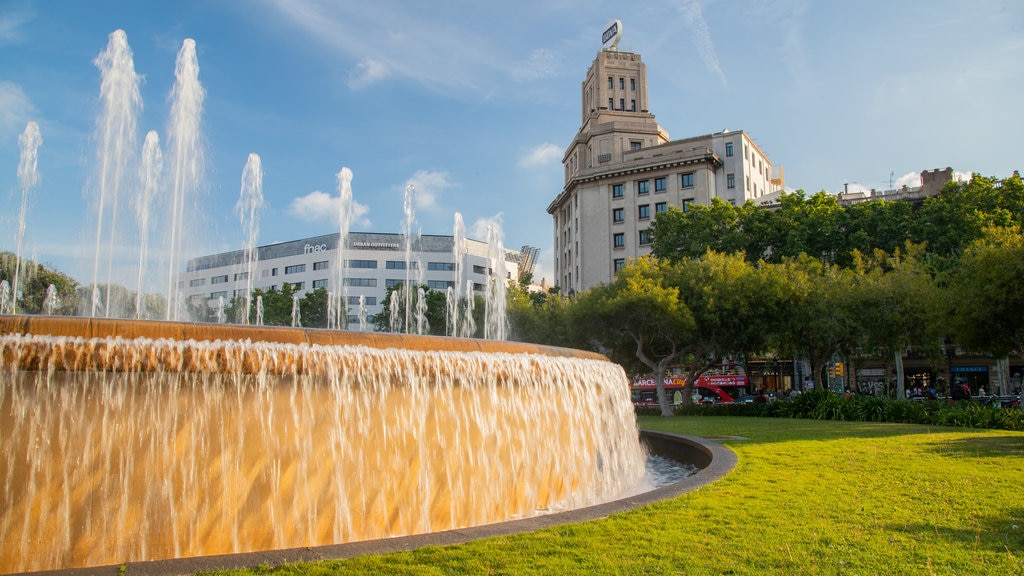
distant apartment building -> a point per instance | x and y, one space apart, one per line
621 170
373 263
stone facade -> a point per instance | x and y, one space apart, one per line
622 169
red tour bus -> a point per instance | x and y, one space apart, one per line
723 383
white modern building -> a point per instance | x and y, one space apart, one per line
373 263
622 169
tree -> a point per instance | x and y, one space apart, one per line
820 318
435 306
35 281
638 318
678 234
897 304
541 318
986 293
734 305
277 305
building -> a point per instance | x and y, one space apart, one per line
373 263
621 170
932 182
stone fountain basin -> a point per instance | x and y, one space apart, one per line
713 460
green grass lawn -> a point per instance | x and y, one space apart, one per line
807 497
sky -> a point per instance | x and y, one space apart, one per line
474 103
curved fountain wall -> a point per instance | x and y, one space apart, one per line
126 441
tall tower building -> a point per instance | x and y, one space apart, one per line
621 170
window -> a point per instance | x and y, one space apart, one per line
361 263
219 279
440 284
730 180
618 263
392 282
273 272
611 104
622 103
298 285
659 184
216 295
645 237
632 83
320 265
479 269
400 265
367 300
619 240
618 215
643 211
364 282
610 85
295 269
617 191
622 83
686 204
636 145
197 282
748 183
686 180
643 186
632 105
442 266
241 276
728 148
319 284
660 207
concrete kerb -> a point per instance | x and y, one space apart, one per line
713 459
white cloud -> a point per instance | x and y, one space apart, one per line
428 185
478 230
542 63
693 16
367 72
10 26
15 108
541 155
910 180
962 176
319 205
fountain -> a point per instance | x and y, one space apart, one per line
250 202
28 176
136 440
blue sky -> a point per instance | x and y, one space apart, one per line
474 102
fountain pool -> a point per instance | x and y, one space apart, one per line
124 441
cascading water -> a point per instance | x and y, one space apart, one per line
116 154
248 207
185 151
28 177
137 447
152 166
